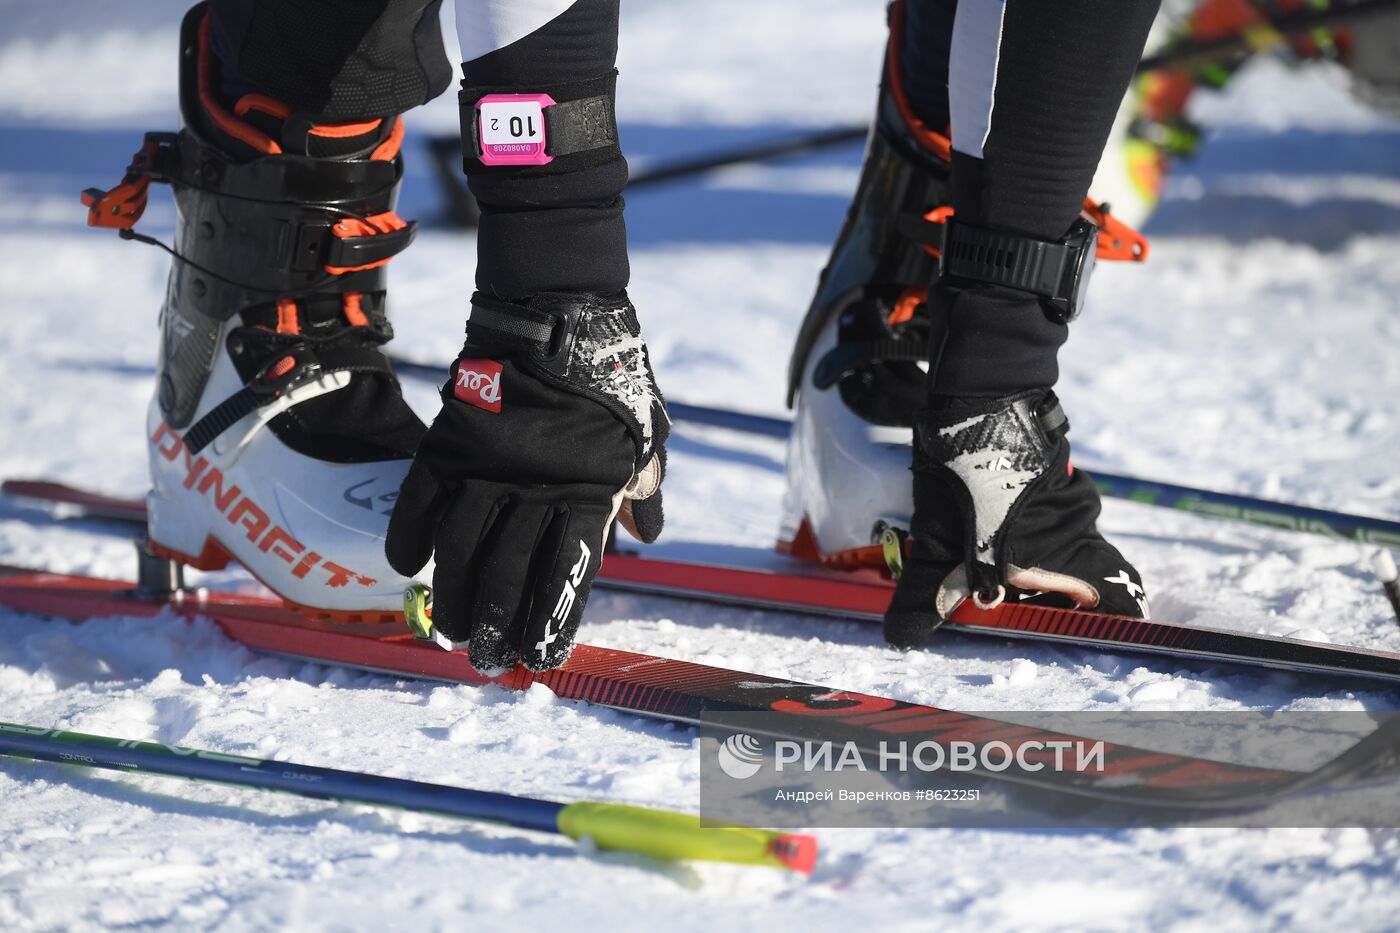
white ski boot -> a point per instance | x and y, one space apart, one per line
278 436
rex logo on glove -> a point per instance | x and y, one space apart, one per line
479 383
565 605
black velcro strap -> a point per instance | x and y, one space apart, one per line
999 257
222 417
499 324
846 358
572 126
287 370
580 127
1052 417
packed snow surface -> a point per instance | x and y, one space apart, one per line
1255 352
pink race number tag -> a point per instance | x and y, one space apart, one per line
511 129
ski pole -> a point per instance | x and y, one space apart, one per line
1362 528
446 152
660 834
679 411
796 144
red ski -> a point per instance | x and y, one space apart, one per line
773 581
685 692
768 580
69 501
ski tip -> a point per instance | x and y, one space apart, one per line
795 851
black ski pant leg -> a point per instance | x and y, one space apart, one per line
1031 90
557 227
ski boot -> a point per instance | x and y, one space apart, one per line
859 372
278 436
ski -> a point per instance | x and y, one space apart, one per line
70 502
661 834
771 581
686 692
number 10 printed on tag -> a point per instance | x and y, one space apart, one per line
512 129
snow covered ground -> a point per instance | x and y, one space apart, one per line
1256 352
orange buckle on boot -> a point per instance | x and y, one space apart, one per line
361 243
122 206
1117 241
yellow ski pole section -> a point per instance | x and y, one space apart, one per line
666 835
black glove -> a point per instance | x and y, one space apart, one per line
551 426
999 514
